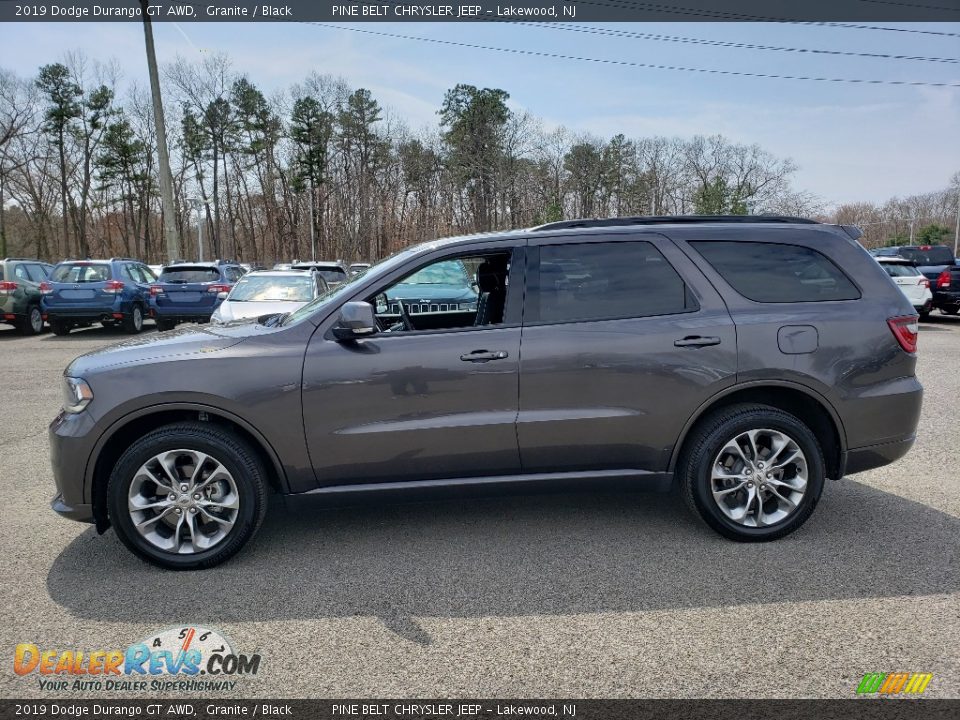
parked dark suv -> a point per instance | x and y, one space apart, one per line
20 296
80 292
743 359
190 292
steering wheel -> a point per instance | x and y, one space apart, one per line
405 317
405 323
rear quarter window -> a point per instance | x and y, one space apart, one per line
775 273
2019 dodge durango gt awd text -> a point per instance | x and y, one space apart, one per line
745 360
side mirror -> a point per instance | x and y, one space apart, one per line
356 320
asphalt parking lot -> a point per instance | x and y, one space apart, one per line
609 595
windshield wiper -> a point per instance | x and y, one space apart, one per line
275 320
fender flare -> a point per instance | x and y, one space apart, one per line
705 407
123 421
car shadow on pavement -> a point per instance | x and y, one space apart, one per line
520 555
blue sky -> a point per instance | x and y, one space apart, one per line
852 142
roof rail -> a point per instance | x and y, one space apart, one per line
123 259
9 259
669 220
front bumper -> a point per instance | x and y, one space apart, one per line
71 441
80 513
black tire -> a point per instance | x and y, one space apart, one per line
60 327
950 310
705 443
32 324
231 451
164 325
924 314
133 323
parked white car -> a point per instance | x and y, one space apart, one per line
266 292
911 282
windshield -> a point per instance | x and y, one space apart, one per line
273 288
189 275
450 272
344 290
81 273
929 256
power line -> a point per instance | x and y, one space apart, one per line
725 15
723 43
629 63
913 5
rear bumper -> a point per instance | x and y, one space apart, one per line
181 314
946 298
874 456
87 312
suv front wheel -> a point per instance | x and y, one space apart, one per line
752 472
187 496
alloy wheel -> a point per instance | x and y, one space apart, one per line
183 501
36 320
759 477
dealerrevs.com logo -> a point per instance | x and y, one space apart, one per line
198 659
894 683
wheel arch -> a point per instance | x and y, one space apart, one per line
125 430
806 404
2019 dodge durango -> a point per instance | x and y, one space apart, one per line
744 360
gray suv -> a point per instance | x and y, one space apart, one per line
743 360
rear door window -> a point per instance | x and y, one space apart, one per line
607 281
775 273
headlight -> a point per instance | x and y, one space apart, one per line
76 394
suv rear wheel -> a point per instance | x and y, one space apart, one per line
32 324
60 327
133 323
187 496
752 472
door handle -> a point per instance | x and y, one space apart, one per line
485 355
696 341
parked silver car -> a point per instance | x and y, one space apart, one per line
269 292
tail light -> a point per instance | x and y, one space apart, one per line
905 329
156 290
113 286
46 288
217 288
925 282
943 281
7 287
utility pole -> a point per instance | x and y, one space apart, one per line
166 179
313 238
199 206
911 229
956 232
